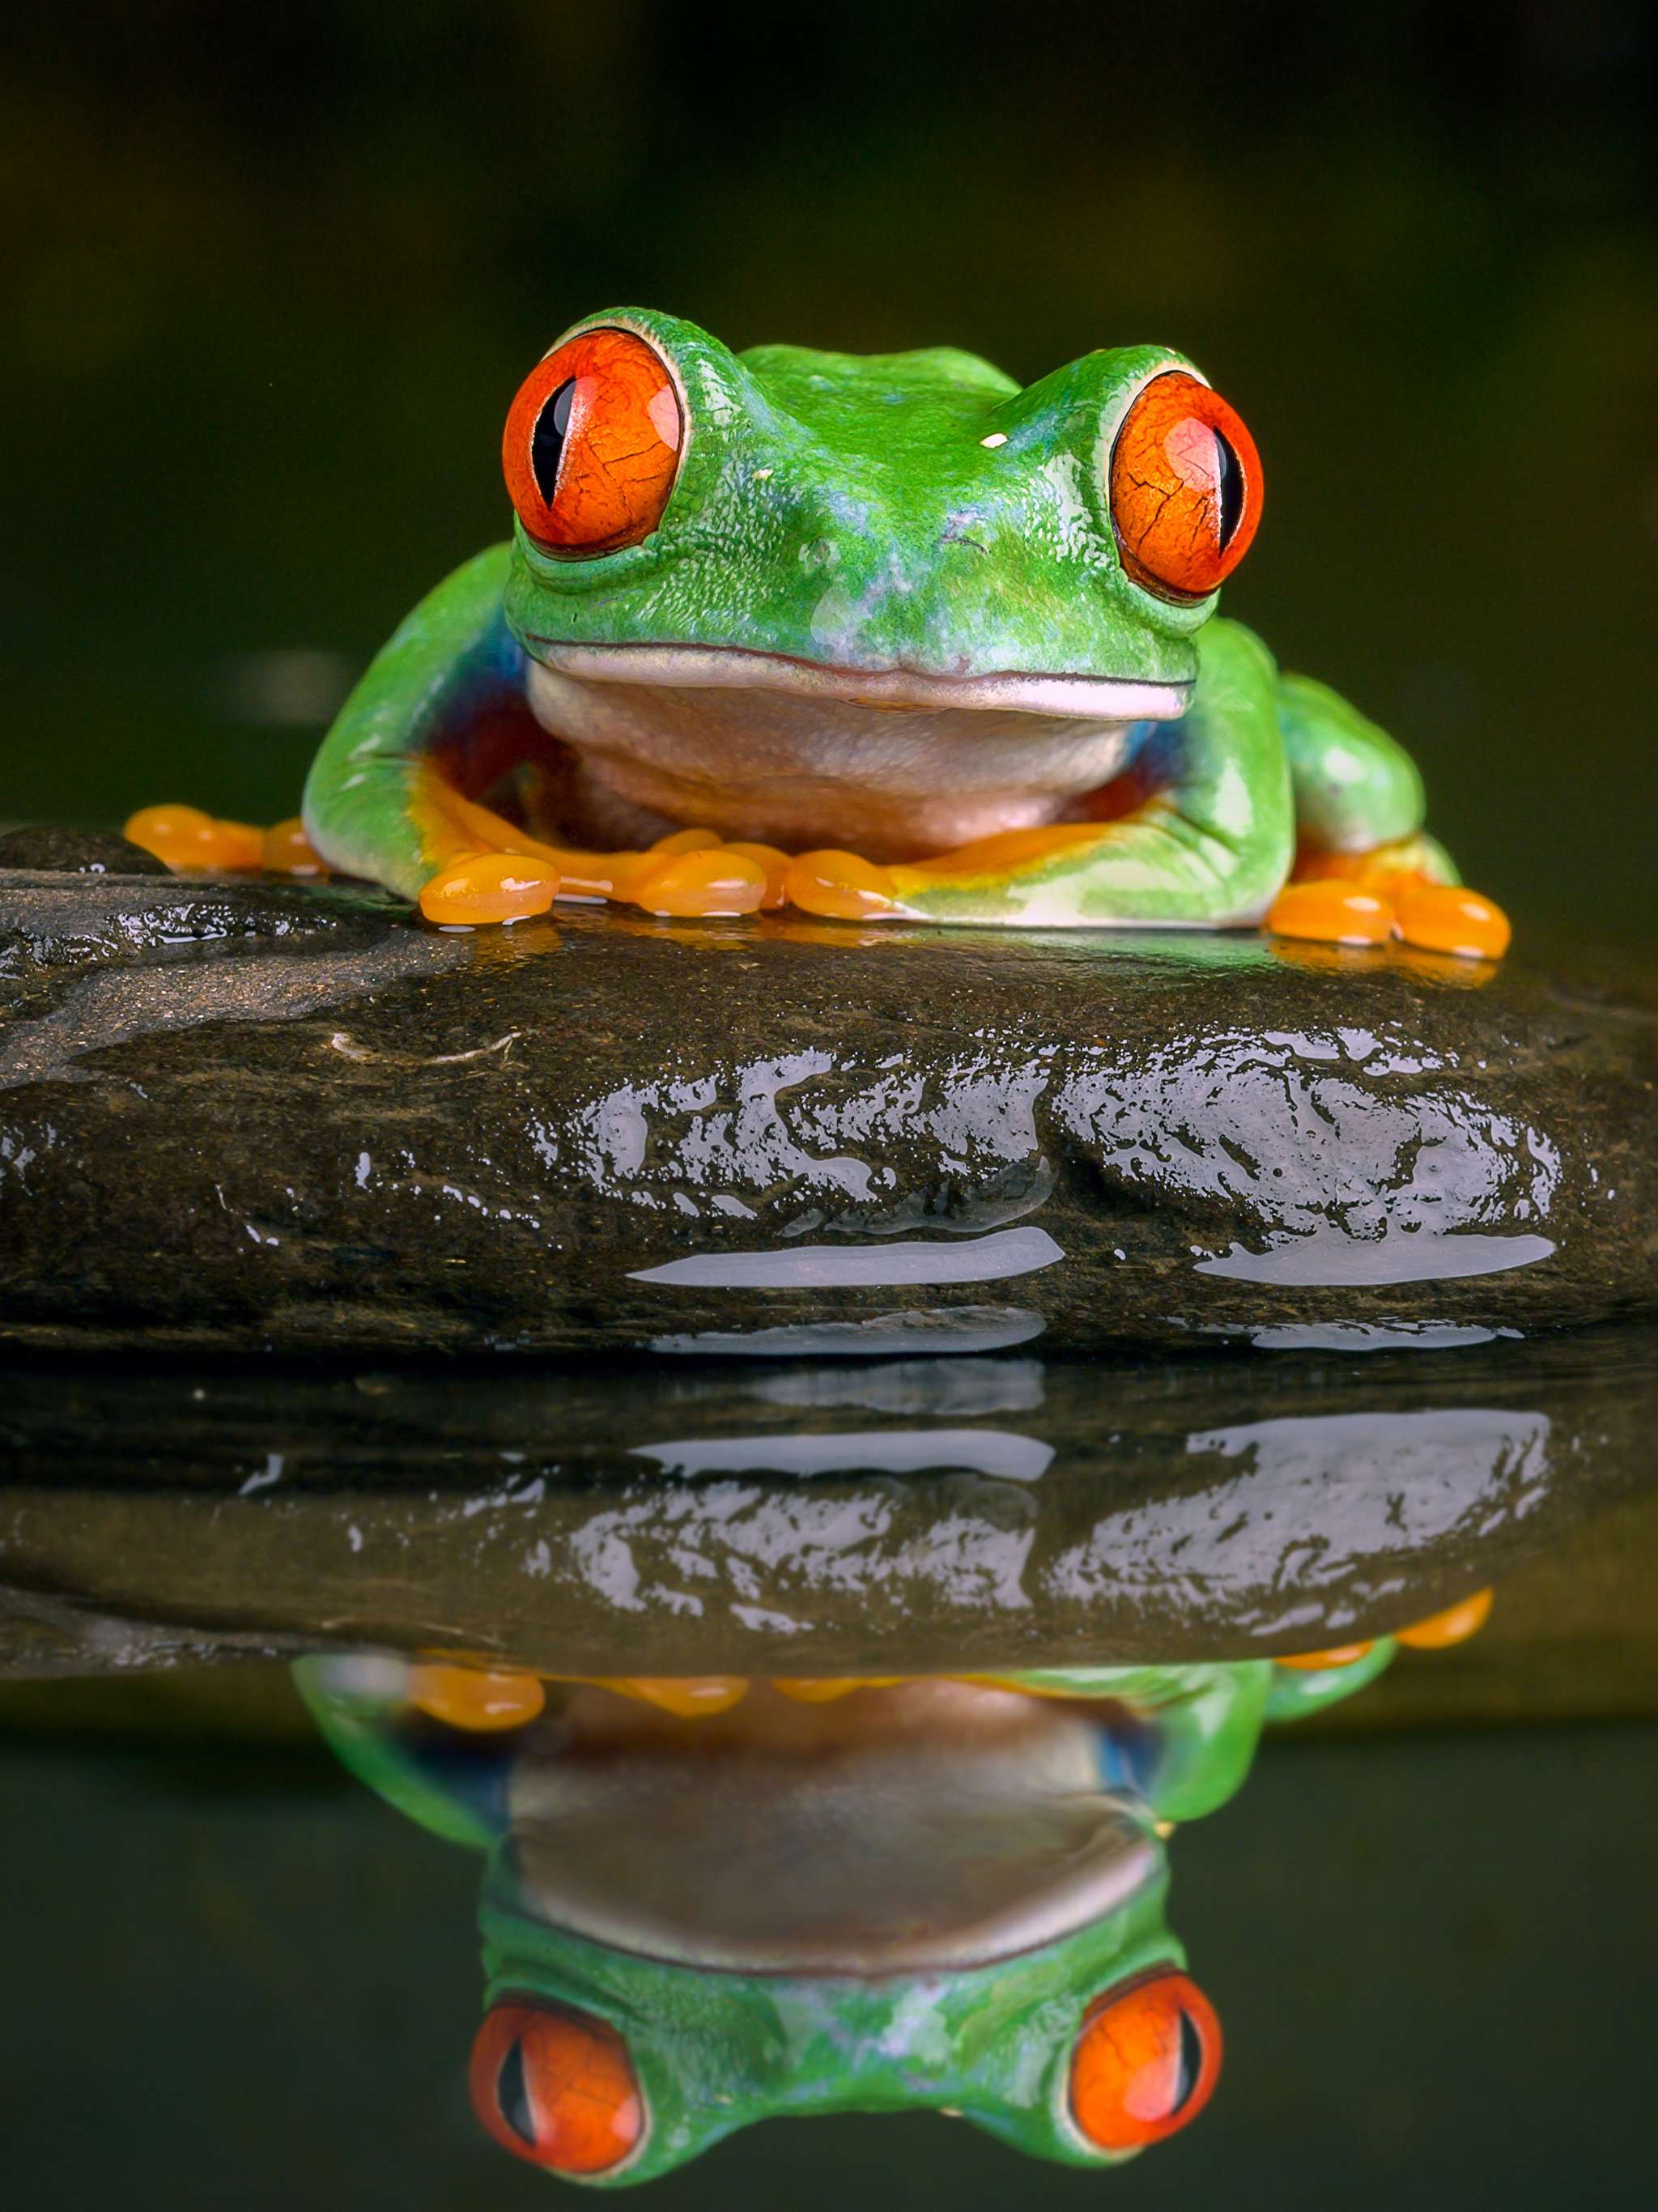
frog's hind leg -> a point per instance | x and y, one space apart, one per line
1366 870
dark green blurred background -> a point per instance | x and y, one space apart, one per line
278 269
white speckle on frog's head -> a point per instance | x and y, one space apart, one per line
996 438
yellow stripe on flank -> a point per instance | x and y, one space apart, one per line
993 858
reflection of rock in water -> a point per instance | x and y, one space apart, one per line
799 1517
278 1117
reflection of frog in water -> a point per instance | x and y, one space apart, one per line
708 1902
882 637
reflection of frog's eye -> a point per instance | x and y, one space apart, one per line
1145 2062
1185 488
557 2088
592 442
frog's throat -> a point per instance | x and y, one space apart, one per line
891 764
1123 699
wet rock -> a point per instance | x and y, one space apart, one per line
802 1517
246 1115
54 850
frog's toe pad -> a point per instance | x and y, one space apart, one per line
715 880
1333 912
1446 918
488 887
190 841
842 885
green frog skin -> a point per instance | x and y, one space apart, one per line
931 1894
884 637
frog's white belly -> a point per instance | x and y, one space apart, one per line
810 766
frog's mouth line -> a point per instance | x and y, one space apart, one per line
1119 699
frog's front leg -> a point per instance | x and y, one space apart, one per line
1365 868
1209 843
399 791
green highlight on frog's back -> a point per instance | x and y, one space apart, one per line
869 637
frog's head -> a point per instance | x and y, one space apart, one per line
609 2066
938 1896
900 531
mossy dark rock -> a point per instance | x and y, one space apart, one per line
47 847
250 1116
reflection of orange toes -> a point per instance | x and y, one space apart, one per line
186 839
1455 1626
1315 1662
488 887
1333 911
714 880
475 1698
840 884
1445 918
690 1697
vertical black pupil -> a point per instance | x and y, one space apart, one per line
1191 2059
1230 470
552 427
513 2094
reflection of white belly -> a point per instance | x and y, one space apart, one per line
908 1831
799 771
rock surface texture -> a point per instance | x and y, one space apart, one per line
244 1115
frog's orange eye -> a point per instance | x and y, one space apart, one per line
1145 2062
1185 488
557 2088
592 442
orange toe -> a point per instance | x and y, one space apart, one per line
188 840
1455 1626
488 887
690 1697
475 1698
289 851
776 864
1446 918
840 884
1333 911
709 879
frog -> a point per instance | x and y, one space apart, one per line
877 638
710 1901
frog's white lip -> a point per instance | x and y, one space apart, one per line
1113 698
